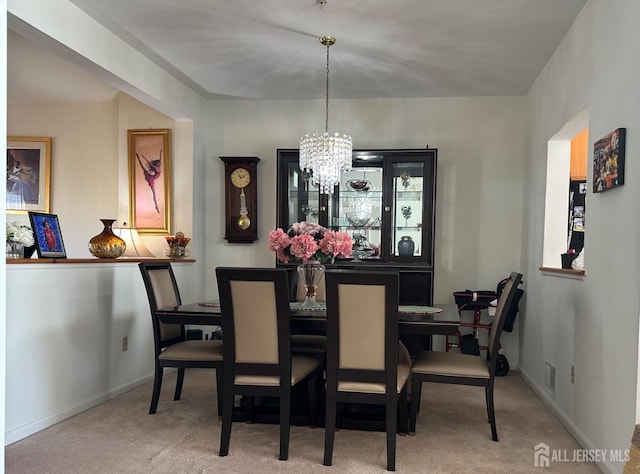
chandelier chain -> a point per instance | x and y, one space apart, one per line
326 106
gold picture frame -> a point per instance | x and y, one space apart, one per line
28 174
150 180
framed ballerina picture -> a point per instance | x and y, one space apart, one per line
28 174
150 180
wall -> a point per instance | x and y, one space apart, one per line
591 324
64 346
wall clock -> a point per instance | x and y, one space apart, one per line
241 198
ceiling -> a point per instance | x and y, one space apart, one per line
270 49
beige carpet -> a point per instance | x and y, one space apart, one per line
453 436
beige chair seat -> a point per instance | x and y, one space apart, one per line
300 368
364 387
193 350
452 364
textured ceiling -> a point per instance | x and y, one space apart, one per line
269 49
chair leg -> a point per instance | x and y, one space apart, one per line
402 412
285 423
491 411
157 385
179 382
312 387
227 412
416 392
329 427
392 432
219 382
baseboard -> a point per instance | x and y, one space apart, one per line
579 436
31 428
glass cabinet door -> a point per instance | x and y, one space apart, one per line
359 210
298 199
409 208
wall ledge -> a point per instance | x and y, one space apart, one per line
30 261
564 273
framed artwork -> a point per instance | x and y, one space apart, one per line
150 180
608 161
48 236
28 174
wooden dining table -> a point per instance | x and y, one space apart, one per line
439 319
412 320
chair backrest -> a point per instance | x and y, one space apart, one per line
254 303
504 303
162 292
362 327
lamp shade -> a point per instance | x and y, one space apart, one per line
135 245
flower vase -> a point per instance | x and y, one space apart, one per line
310 273
15 250
107 244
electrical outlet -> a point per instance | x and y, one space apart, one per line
573 374
550 376
125 343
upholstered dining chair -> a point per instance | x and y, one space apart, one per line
254 303
171 347
362 352
465 369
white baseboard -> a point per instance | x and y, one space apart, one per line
31 428
579 436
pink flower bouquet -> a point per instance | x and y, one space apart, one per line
306 241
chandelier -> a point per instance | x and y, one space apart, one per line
323 155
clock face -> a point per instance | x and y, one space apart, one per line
240 177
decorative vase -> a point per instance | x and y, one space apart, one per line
15 250
310 273
107 244
29 251
406 246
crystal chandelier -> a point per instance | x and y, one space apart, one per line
323 155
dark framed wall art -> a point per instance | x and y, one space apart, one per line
150 180
28 174
48 235
608 161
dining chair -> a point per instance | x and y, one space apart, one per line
362 352
171 347
254 304
465 369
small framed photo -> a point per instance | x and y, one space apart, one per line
150 180
608 161
28 174
582 188
48 236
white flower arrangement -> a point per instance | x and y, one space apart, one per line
17 232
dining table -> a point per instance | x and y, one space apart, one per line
413 320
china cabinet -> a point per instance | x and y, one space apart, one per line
386 202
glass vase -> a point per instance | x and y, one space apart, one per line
15 250
107 244
310 273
